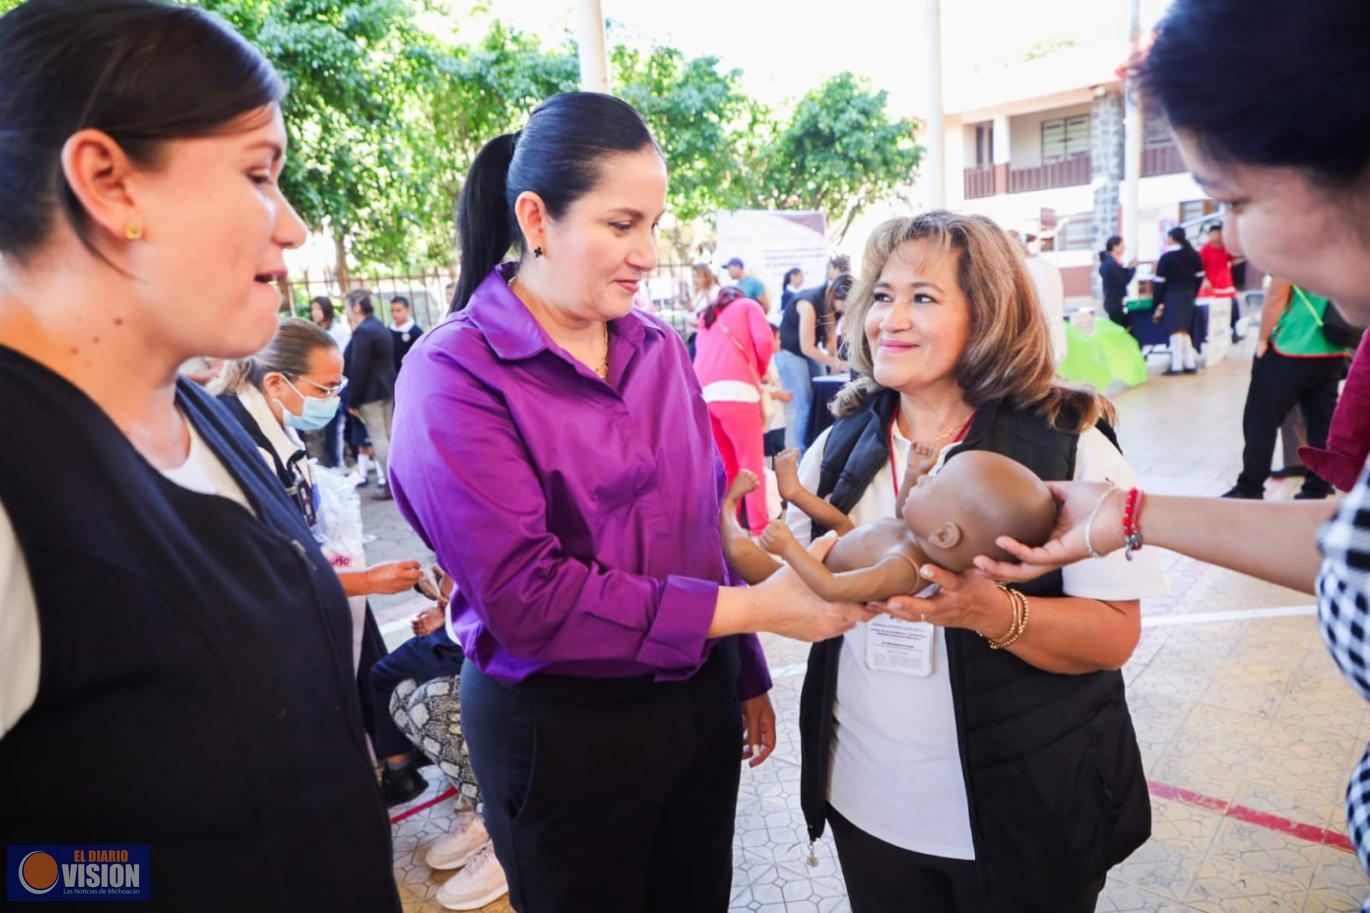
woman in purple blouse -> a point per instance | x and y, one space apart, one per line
552 446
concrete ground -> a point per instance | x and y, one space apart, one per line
1247 729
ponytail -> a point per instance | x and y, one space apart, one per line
1112 242
289 352
724 298
559 155
232 377
484 227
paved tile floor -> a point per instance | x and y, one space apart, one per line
1247 729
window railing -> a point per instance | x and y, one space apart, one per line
979 182
1161 159
1071 172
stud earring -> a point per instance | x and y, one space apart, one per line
133 231
537 252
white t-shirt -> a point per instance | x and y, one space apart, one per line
202 472
896 763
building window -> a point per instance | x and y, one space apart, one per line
1074 233
984 144
1065 137
1192 210
1155 128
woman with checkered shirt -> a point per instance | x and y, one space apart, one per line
1286 151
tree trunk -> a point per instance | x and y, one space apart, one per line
340 257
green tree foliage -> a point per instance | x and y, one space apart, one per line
472 95
839 153
707 127
385 118
358 164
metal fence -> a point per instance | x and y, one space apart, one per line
427 292
669 286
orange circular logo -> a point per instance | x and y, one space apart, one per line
38 873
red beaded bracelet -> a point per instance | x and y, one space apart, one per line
1132 531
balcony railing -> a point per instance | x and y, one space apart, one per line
979 182
1071 172
1163 159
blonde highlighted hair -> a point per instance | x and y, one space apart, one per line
1008 357
289 353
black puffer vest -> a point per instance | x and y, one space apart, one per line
1052 769
195 690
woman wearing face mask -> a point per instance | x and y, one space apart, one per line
554 448
293 385
168 627
1296 190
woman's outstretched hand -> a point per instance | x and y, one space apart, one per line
1077 501
786 606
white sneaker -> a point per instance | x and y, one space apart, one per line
455 848
481 881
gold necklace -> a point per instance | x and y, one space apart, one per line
603 369
604 365
951 429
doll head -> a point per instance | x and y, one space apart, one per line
976 498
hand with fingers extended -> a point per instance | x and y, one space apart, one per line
970 600
1076 503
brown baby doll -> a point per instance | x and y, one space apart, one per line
947 519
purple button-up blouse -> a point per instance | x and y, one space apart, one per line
577 517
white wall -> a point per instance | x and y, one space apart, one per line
1158 209
1025 132
1020 210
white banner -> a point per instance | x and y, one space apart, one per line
771 243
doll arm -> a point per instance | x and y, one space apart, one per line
744 556
922 458
818 510
893 575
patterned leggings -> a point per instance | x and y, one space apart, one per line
429 715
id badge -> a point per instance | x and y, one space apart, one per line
902 647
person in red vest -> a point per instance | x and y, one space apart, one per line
1218 263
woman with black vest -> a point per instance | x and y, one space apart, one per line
292 385
167 624
975 753
1295 194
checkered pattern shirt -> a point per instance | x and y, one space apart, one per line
1344 613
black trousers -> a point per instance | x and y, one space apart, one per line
883 878
1117 312
610 795
419 658
1278 384
386 737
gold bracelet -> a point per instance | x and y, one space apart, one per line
1014 598
1022 624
